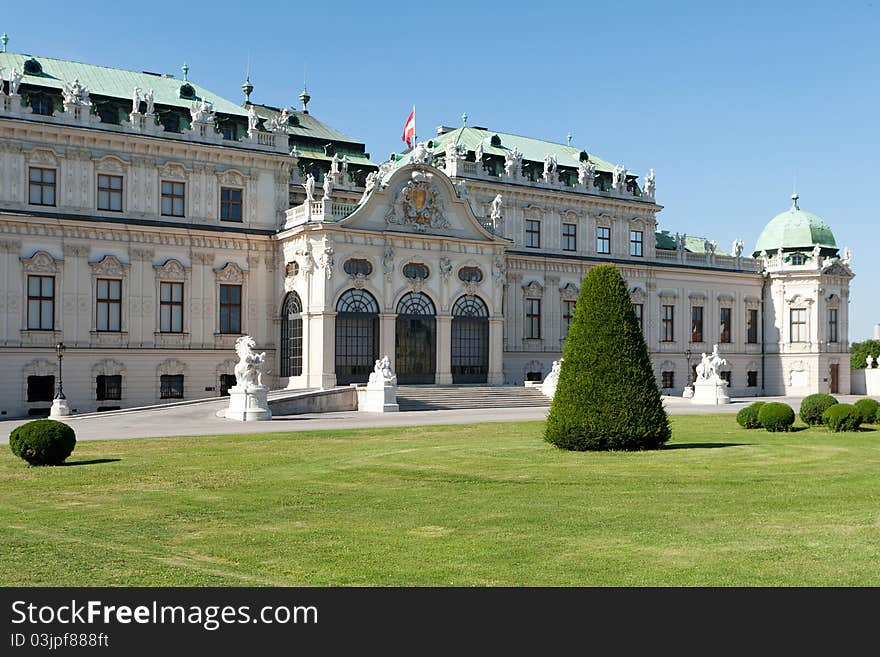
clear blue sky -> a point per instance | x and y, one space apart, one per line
730 104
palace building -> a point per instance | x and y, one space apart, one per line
146 223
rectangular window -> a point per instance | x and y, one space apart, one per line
726 376
832 325
110 193
752 326
230 204
227 381
171 307
667 379
638 309
41 190
108 387
41 303
752 379
171 386
567 315
109 305
569 237
667 324
173 198
697 324
603 239
798 325
636 243
533 233
230 308
40 388
227 129
725 324
533 319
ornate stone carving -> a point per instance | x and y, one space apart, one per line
421 154
42 156
418 206
202 113
76 250
650 186
445 268
327 262
388 262
170 366
10 246
534 289
304 255
75 95
499 270
109 266
171 270
40 263
202 257
586 173
570 292
232 177
230 273
108 367
513 163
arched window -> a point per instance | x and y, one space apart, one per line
416 271
470 340
470 274
357 267
470 306
357 336
357 301
415 303
291 336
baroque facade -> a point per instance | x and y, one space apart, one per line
146 223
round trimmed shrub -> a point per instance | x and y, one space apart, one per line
776 416
748 416
814 406
843 417
607 396
868 409
43 442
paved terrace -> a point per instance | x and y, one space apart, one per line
200 419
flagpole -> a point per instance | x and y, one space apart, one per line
415 134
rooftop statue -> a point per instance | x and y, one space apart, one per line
586 172
344 164
618 178
328 187
512 162
478 153
149 100
495 212
549 164
817 251
279 123
738 246
14 81
253 119
75 94
421 154
136 100
334 164
202 112
650 187
309 186
847 255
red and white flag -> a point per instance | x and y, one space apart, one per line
409 128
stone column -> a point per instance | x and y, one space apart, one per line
553 310
514 286
322 350
444 350
387 337
496 351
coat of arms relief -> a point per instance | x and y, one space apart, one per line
418 206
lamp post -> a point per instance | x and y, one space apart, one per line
59 403
689 388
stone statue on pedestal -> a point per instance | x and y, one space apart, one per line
247 398
380 395
710 388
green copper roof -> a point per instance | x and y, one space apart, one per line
113 82
795 229
532 150
307 125
693 244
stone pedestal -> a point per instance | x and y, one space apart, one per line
380 397
711 392
872 382
59 408
248 403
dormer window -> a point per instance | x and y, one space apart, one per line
188 92
41 104
797 259
33 67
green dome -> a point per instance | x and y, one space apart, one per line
795 229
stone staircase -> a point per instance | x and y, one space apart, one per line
441 398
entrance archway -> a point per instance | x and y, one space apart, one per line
291 336
416 339
357 336
470 340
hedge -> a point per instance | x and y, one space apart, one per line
814 406
776 416
843 417
43 442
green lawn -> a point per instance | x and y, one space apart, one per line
471 505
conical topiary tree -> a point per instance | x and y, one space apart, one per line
607 397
